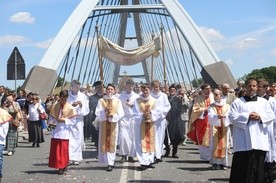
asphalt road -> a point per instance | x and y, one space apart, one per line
30 164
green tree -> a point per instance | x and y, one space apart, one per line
197 82
60 81
268 73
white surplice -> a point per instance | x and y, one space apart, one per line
127 125
250 134
100 112
163 106
271 154
62 130
76 142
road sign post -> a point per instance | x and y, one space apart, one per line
15 67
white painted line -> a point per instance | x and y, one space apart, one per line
137 174
123 177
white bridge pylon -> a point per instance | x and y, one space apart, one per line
43 77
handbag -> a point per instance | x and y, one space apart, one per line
18 119
42 116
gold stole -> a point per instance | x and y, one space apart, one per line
108 129
220 133
67 111
147 127
206 137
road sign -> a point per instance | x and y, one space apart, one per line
15 66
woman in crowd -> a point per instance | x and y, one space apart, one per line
5 117
35 128
11 140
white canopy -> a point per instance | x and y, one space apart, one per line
119 55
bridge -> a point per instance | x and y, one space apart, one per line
177 51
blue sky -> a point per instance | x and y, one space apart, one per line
242 33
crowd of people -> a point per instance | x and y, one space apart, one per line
145 121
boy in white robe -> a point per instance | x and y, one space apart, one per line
63 115
163 107
145 115
127 123
250 116
79 101
108 111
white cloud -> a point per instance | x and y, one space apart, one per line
273 51
214 37
22 17
252 39
44 44
211 34
248 42
12 39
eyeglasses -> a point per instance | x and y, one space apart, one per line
35 99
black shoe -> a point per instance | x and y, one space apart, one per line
150 166
215 167
130 159
142 167
166 154
123 159
158 160
109 168
175 156
37 145
33 144
60 171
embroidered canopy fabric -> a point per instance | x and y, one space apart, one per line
119 55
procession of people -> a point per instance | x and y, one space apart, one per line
141 124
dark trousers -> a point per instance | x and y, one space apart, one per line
248 167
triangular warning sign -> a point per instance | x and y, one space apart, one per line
15 66
16 57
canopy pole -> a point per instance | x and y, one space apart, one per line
151 71
100 60
163 57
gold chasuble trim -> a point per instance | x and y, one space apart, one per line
108 136
108 133
220 133
147 127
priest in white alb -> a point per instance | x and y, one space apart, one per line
219 135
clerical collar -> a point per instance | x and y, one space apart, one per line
265 96
250 99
